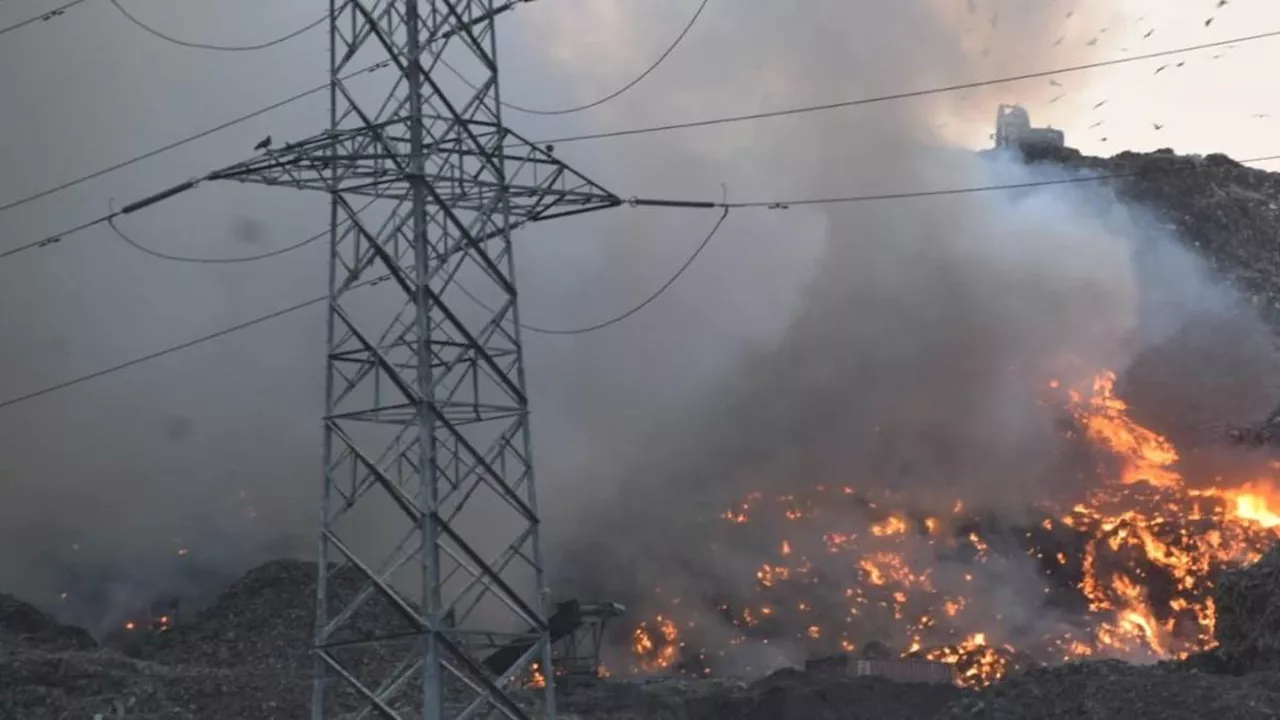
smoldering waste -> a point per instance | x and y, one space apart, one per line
1151 571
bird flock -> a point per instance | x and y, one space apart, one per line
1096 126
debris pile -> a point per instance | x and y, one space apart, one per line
784 695
1248 603
1228 212
22 625
266 617
1111 689
248 655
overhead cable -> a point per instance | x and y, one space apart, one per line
840 200
43 17
615 94
741 118
723 206
225 48
159 353
618 318
905 95
324 298
231 260
780 204
183 141
108 218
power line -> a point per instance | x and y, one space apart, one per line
41 18
212 261
317 300
783 204
179 143
619 318
617 93
52 239
226 48
321 88
226 261
725 207
906 95
159 353
707 205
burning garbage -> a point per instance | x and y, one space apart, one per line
1129 567
1248 619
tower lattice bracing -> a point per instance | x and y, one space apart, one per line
431 599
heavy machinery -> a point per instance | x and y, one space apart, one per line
1013 130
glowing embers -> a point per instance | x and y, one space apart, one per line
657 647
1127 565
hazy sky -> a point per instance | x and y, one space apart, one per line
234 424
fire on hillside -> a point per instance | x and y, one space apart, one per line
1124 569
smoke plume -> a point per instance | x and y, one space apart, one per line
892 345
916 353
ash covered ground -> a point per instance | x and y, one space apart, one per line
246 654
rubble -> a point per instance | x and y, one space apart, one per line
247 656
23 625
1112 690
1228 212
784 695
1248 604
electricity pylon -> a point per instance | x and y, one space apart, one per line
439 607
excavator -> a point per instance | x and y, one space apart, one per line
1013 130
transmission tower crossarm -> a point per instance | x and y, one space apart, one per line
537 185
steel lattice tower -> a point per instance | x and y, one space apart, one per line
427 416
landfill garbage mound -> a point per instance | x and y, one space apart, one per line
1248 628
37 684
247 656
1111 690
23 625
1228 212
784 695
267 617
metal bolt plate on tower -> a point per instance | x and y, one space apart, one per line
430 566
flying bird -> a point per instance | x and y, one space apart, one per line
1208 22
1261 115
1056 99
1159 69
1058 42
1221 3
264 144
1104 102
1054 83
1157 126
1096 124
1180 63
1092 42
1149 33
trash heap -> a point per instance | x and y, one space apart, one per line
1228 212
1114 690
24 626
248 655
1248 603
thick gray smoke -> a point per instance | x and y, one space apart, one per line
916 359
774 361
